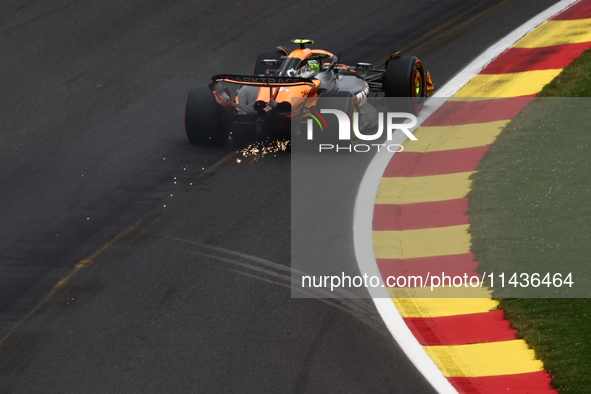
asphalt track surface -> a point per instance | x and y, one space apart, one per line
181 287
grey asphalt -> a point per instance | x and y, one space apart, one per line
194 296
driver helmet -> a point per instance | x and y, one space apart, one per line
310 69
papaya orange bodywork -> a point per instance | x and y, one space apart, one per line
286 93
265 94
430 86
305 53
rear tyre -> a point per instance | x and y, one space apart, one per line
269 54
203 118
342 101
405 77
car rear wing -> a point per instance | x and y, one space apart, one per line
262 80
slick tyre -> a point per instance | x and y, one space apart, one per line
203 118
405 77
269 54
343 101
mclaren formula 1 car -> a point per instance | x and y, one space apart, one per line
286 84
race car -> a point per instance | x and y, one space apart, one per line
286 85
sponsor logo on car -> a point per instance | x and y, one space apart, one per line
262 80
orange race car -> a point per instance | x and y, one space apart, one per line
286 85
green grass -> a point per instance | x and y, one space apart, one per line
573 81
530 210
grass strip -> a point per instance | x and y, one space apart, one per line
530 206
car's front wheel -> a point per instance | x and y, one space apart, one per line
405 77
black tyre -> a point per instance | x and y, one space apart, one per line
342 101
274 54
405 77
203 118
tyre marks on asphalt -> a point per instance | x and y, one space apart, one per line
273 273
420 221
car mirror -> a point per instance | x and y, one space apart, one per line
364 66
269 62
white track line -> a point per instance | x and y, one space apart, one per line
363 212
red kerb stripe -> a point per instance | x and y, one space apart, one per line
454 113
450 265
461 329
580 10
530 383
407 164
515 60
388 217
